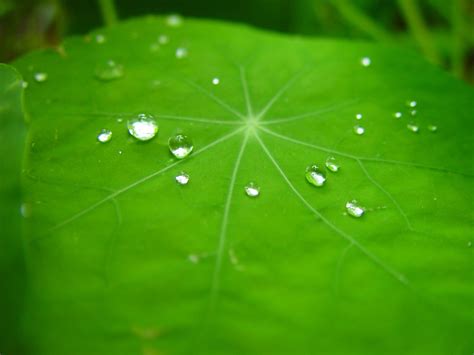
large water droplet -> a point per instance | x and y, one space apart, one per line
354 209
109 70
143 127
182 178
174 20
181 53
432 128
180 146
332 165
41 77
359 130
315 175
365 61
252 189
413 127
104 136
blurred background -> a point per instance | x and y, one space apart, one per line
441 30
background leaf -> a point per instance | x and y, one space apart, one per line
123 260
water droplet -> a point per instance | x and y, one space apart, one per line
397 115
100 38
24 84
359 130
413 127
252 189
432 128
193 258
413 112
315 175
216 81
163 39
120 120
41 77
104 136
180 146
143 127
469 244
182 178
412 103
354 209
25 210
120 152
359 116
174 20
332 165
109 70
366 61
181 53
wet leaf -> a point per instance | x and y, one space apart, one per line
122 259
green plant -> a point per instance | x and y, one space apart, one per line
122 260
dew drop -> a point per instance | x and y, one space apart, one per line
216 81
143 127
315 175
109 70
104 136
365 61
397 115
24 84
432 128
354 209
100 38
332 165
174 20
413 112
120 152
412 103
252 189
193 258
181 53
359 116
359 130
180 146
41 77
120 120
413 127
182 178
163 39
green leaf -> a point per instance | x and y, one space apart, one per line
11 257
123 260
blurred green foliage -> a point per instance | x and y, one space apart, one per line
441 30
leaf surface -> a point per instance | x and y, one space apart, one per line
123 260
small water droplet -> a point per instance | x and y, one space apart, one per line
120 152
174 20
163 39
193 258
216 81
109 70
181 53
24 84
365 61
120 120
413 112
315 175
154 47
332 165
358 116
252 189
104 136
180 146
25 210
354 209
41 77
182 178
397 115
413 127
143 127
469 244
412 103
359 130
100 38
432 128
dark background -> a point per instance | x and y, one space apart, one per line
447 25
